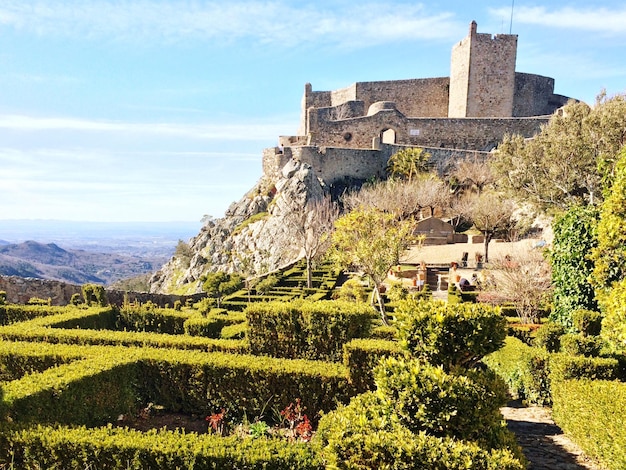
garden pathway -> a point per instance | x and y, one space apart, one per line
544 444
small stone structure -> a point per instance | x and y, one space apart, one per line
352 132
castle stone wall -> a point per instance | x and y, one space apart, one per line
534 96
468 133
20 290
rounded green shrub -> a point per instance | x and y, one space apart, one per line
548 336
451 335
427 399
579 345
366 434
587 322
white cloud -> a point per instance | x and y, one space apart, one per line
601 20
209 131
280 22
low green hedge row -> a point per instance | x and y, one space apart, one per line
18 359
194 382
362 355
531 373
18 313
160 320
50 329
90 391
590 411
94 387
306 329
109 448
211 326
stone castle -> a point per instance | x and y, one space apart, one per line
351 133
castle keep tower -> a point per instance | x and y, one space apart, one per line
482 75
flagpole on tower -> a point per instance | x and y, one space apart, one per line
511 24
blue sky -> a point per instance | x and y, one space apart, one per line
146 110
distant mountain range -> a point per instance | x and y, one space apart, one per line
49 261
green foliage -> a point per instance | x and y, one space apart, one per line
135 317
371 241
579 345
3 297
524 369
408 163
567 367
71 328
360 356
587 322
368 433
265 285
548 336
39 301
205 305
614 322
451 335
609 255
212 325
557 168
75 299
427 399
250 220
352 290
590 411
305 329
183 252
397 292
574 239
123 449
94 294
219 284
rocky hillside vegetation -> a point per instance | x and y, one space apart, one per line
254 237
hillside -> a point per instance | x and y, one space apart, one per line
49 261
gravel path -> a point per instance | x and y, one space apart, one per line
544 444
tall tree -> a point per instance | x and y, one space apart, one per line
408 163
609 255
473 173
574 239
219 284
371 241
313 226
491 214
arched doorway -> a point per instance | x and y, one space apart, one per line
388 136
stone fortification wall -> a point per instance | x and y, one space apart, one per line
534 96
20 290
425 97
333 164
468 133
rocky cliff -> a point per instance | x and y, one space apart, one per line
254 237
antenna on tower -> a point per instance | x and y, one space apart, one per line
511 24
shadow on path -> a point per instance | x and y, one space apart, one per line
543 442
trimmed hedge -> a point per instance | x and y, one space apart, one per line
362 355
305 329
108 448
212 325
19 359
450 335
244 385
43 329
364 435
590 411
159 320
18 313
531 373
92 392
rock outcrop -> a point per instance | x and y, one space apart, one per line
254 237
